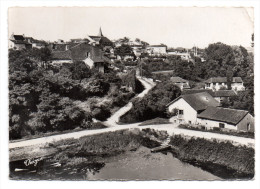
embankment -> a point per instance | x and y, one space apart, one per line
222 158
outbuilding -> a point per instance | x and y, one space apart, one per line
226 118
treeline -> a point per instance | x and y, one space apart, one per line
42 97
221 60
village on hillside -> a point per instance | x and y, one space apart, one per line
205 105
76 106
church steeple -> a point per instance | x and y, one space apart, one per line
100 32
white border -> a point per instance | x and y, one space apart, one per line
5 183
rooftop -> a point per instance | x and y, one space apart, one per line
223 80
178 80
198 101
227 115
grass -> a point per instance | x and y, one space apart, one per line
156 121
202 151
233 133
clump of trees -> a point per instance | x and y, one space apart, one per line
42 96
153 104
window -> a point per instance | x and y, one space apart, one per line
248 126
221 125
180 112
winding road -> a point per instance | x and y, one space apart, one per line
114 119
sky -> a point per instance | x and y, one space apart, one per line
173 26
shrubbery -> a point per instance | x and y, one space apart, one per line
153 104
239 158
41 96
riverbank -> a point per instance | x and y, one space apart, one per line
223 158
76 157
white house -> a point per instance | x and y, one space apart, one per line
156 49
187 107
216 83
182 83
226 118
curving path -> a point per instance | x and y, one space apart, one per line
114 119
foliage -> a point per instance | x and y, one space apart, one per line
153 104
41 98
124 50
155 121
239 158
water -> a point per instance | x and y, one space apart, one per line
144 165
132 165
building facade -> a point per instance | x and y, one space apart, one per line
217 83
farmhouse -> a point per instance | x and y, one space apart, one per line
187 107
90 55
226 118
217 83
181 83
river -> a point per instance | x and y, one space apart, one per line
131 165
144 165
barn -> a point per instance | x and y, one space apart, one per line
226 118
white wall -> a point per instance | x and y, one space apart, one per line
61 61
248 119
189 114
234 86
89 62
209 124
238 86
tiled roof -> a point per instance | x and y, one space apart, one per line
224 93
223 80
61 55
20 42
178 80
198 101
80 52
161 45
193 91
231 116
18 37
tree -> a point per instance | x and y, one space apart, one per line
153 104
45 56
124 50
80 70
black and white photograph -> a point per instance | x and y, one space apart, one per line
131 93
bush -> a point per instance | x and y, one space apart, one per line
153 104
101 113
